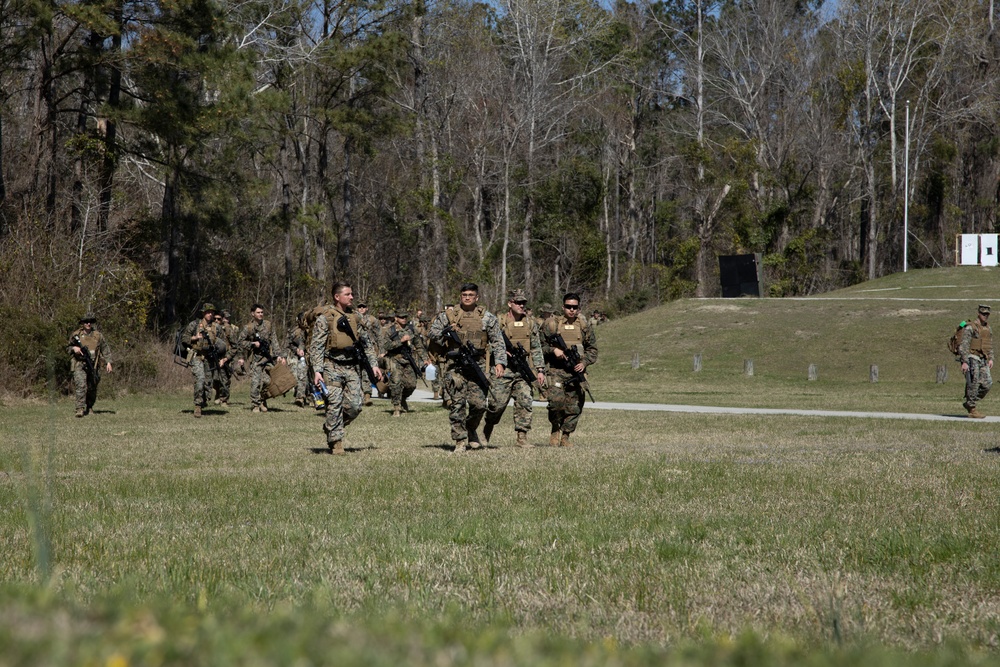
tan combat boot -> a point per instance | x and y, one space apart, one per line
436 397
263 407
395 412
337 448
459 446
522 440
474 442
564 441
256 408
79 413
554 438
976 414
197 411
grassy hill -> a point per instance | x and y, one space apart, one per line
899 323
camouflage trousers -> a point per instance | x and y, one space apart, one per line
259 380
565 403
85 388
978 381
468 404
202 381
222 380
298 367
510 385
343 398
402 381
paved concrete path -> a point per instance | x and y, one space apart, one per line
423 396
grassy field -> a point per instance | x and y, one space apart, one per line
143 536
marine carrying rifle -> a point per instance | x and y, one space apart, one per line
572 359
466 355
358 349
407 353
265 348
88 361
517 360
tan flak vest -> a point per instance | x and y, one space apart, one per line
571 333
337 339
982 339
518 332
91 341
469 326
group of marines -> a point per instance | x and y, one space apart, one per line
476 361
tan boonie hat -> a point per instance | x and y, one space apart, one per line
984 309
517 295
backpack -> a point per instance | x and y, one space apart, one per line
956 338
180 350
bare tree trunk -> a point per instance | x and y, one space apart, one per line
347 222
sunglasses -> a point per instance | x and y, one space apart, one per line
521 303
571 306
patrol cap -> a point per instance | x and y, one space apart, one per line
89 317
546 308
226 314
206 307
362 304
984 309
517 295
402 313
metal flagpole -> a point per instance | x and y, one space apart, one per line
906 190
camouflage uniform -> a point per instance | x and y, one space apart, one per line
468 401
204 352
511 384
372 327
976 350
222 378
402 378
260 364
100 354
332 355
423 329
296 363
566 397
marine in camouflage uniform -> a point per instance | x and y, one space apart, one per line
96 345
371 325
222 377
260 344
476 325
399 339
522 331
332 354
202 337
296 345
565 396
976 354
423 330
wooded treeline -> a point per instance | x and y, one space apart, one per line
158 153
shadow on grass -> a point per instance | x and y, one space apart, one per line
206 412
103 412
444 446
992 450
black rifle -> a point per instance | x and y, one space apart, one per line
88 361
517 360
466 355
265 348
407 353
572 359
358 349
